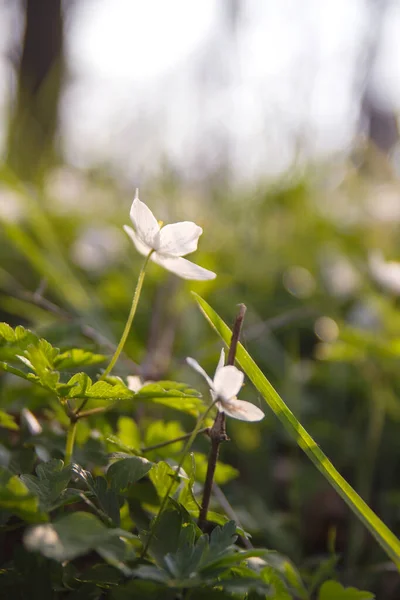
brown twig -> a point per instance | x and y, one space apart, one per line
218 430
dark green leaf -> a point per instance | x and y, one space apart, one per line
124 473
52 479
106 498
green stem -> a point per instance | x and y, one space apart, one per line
128 325
186 449
92 411
69 446
174 441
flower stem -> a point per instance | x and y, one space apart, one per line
218 431
69 446
132 312
186 449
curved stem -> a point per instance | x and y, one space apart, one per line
69 446
132 312
186 449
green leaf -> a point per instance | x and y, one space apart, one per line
40 359
223 471
7 333
158 432
107 499
16 499
186 495
75 535
127 471
387 540
18 373
128 433
52 479
332 590
177 396
14 341
160 476
166 533
77 357
166 389
82 387
7 421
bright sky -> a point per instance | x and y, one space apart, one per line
160 80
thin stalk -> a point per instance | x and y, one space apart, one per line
178 439
129 322
186 449
69 446
218 430
92 411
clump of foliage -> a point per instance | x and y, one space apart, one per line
101 492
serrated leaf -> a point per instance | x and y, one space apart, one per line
18 336
76 535
83 387
39 358
127 471
184 563
14 342
102 389
106 498
51 480
7 332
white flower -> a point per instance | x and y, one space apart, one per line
169 243
386 273
225 387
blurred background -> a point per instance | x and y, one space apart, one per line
274 126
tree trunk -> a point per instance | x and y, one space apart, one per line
34 122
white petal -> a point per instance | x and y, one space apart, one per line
227 382
182 267
140 246
221 361
145 223
179 239
134 383
195 365
239 409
